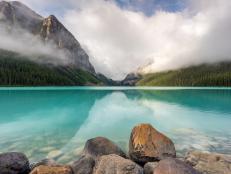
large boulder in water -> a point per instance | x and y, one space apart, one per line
84 165
99 146
114 164
150 167
173 166
209 163
42 169
147 145
14 163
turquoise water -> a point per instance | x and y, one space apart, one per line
56 122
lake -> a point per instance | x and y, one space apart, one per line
56 122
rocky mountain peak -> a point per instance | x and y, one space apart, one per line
4 4
6 12
52 24
22 10
15 14
53 30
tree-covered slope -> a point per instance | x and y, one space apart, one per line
218 74
18 70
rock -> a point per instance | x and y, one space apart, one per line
84 165
114 164
174 166
147 145
209 163
99 146
42 169
149 167
45 162
14 163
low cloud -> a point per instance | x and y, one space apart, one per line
30 46
120 40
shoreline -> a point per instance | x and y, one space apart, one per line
114 88
150 152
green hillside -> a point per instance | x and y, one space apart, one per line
218 74
17 70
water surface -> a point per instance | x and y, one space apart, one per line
56 122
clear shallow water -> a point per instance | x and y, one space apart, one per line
56 122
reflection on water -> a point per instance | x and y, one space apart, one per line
56 123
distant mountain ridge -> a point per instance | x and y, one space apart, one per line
15 14
215 74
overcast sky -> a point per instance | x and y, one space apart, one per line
121 36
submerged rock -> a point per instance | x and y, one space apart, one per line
173 166
42 169
45 162
209 163
14 163
114 164
84 165
150 167
99 146
147 145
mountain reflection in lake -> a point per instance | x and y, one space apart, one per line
57 122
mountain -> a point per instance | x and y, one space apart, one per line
216 74
131 79
16 16
53 30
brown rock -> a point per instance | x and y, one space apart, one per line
52 170
45 162
150 167
99 146
114 164
84 165
147 145
209 163
173 166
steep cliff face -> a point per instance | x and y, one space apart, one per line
53 30
16 15
6 13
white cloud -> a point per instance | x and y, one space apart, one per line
119 40
30 46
